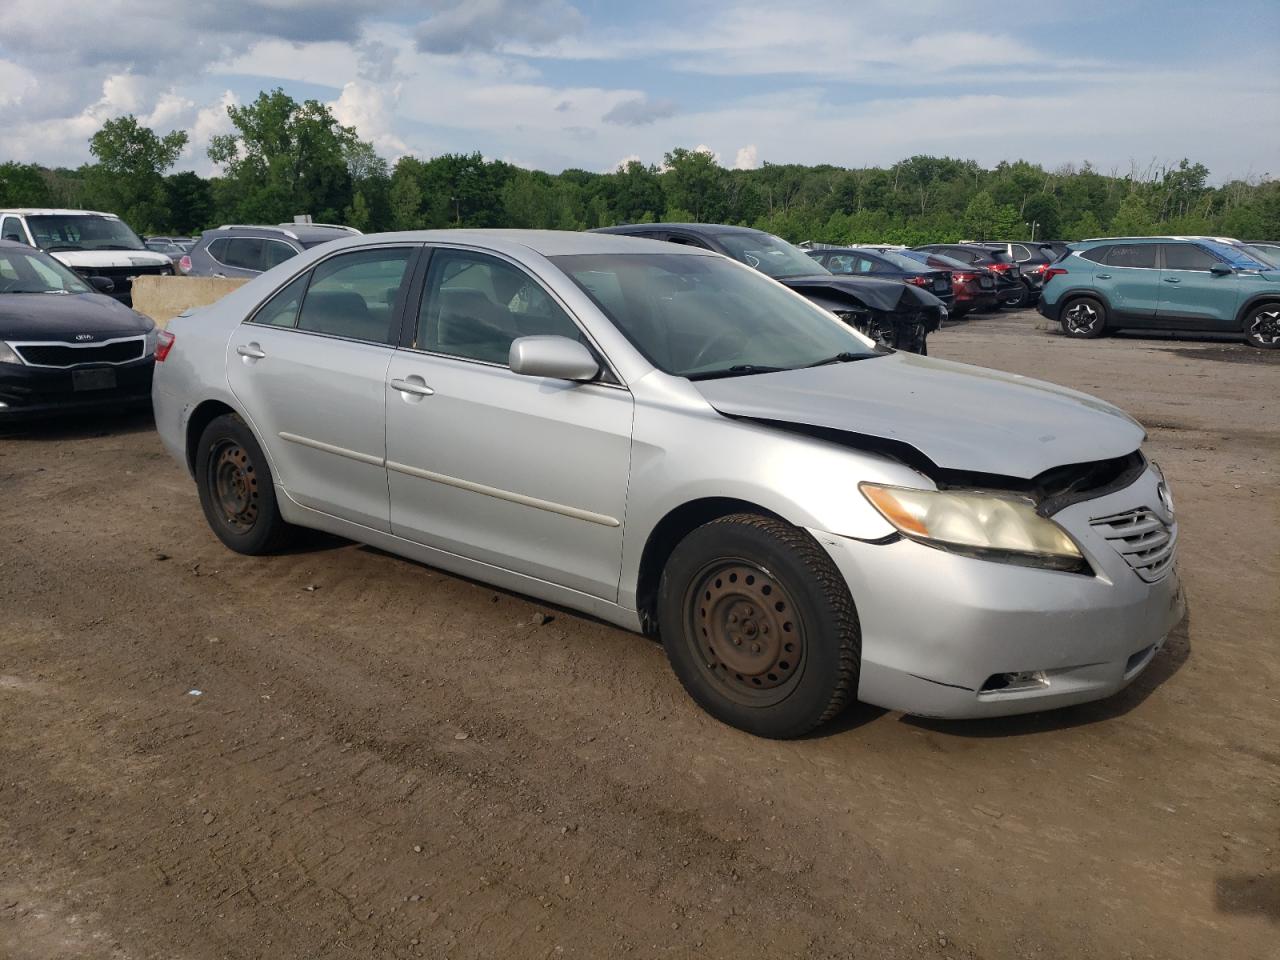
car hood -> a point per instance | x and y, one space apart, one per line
63 316
886 295
959 417
79 259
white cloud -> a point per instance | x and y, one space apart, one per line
748 158
370 108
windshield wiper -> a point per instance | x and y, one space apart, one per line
118 246
737 370
845 357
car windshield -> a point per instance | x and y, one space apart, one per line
1270 253
700 317
26 271
163 246
77 231
769 254
1240 256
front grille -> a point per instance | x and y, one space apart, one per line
66 355
1145 541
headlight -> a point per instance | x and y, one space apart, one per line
991 525
7 355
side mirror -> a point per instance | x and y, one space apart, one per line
1221 270
558 358
102 284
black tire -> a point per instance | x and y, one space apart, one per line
236 488
1262 326
1084 318
1019 298
790 660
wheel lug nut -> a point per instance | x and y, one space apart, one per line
737 641
755 648
733 618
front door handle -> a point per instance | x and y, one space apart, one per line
250 351
1104 276
414 385
1172 280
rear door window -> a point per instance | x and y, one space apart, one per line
1142 255
354 295
245 253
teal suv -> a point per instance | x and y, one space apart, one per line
1192 284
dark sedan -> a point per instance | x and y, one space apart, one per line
894 314
886 265
973 287
1011 288
64 344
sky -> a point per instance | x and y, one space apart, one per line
550 84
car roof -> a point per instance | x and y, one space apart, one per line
56 212
713 229
548 243
302 232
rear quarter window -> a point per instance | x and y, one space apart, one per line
1141 255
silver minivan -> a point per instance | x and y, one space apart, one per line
676 443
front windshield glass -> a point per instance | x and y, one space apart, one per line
1267 255
769 254
77 231
25 271
697 316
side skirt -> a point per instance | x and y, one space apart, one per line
296 513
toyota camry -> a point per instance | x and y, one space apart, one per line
679 444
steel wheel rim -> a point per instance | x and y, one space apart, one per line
233 485
747 633
1265 327
1081 318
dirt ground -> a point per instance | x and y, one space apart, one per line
340 754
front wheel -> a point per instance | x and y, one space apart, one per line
236 489
1262 326
1084 318
759 626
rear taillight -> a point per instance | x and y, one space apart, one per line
1001 267
1051 272
963 277
184 264
917 281
164 343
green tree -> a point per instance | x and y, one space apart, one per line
286 158
981 217
1134 218
24 185
693 183
189 198
128 178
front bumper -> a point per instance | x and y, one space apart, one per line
936 626
28 392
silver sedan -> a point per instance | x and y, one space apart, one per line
671 441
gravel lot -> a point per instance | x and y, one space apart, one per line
387 761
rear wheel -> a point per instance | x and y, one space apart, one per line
1084 318
1262 326
1017 297
759 626
236 489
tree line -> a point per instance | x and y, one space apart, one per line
284 158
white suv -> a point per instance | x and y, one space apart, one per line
92 244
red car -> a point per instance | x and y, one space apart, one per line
974 287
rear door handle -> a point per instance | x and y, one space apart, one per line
251 351
1172 280
1104 276
414 385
